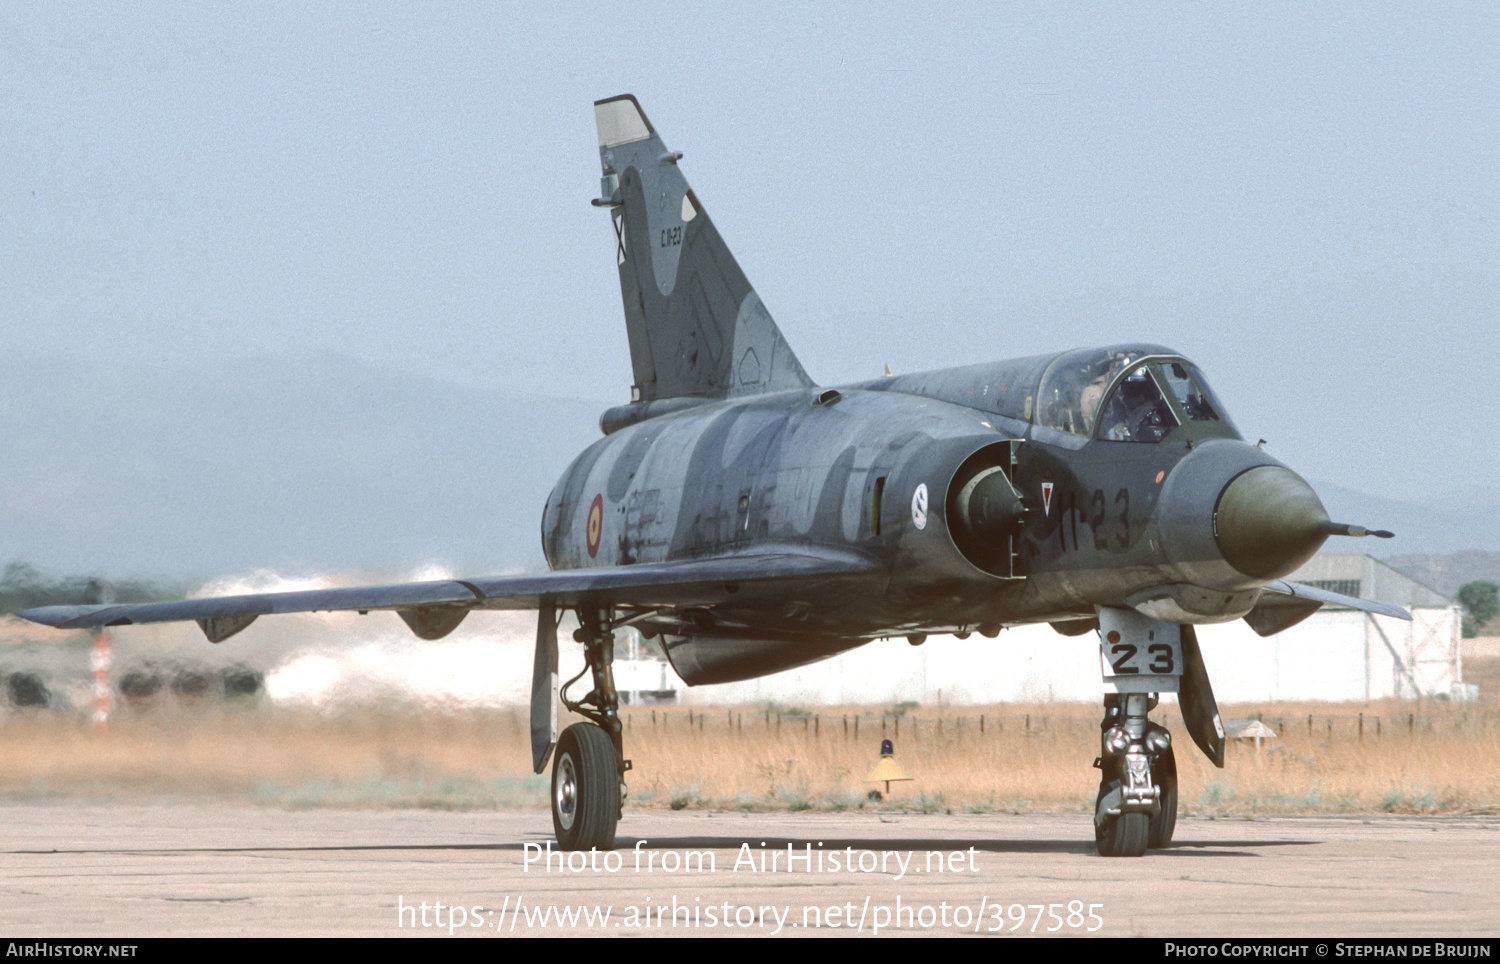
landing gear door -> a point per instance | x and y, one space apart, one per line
1199 711
1138 654
544 688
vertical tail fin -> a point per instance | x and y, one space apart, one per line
696 326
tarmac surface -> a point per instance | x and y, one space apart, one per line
81 869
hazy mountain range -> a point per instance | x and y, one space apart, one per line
328 465
1446 572
296 466
1449 522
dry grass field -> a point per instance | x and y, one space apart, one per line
1481 662
1428 757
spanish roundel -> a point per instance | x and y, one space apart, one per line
595 525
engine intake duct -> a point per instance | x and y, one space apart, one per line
984 509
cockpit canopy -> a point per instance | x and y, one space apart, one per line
1128 393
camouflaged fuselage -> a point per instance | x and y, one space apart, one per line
842 468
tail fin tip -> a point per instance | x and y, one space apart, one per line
621 121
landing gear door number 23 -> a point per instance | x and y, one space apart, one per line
1142 657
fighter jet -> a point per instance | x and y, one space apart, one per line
753 521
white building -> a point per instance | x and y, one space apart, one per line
1344 654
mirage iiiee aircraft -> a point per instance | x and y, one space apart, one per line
754 521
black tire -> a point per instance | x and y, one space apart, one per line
1122 836
585 789
1164 775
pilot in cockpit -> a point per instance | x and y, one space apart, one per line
1137 412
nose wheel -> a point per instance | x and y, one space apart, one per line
1131 834
1137 804
1120 834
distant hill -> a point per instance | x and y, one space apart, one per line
1451 523
298 466
1447 572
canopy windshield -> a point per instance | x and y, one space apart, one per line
1191 391
1126 394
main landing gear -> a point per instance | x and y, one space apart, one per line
588 771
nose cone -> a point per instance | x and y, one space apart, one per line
1269 522
1231 518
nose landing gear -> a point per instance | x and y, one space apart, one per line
1137 804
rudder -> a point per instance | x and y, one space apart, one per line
696 326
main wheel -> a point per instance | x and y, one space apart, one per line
1164 775
585 789
1121 836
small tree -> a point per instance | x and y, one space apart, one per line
1480 602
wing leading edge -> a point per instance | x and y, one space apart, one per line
1297 590
433 609
1284 604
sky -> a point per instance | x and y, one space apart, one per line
1302 198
